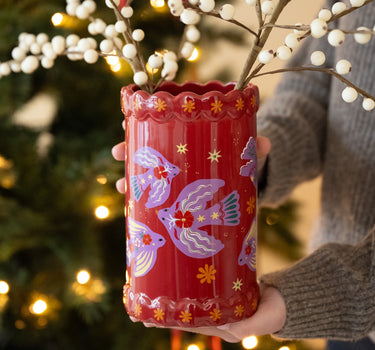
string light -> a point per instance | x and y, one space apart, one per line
157 3
83 277
4 287
102 212
101 179
194 56
39 307
250 342
284 348
5 164
57 19
193 347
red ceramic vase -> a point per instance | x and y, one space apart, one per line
190 204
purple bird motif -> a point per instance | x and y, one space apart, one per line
188 213
158 177
141 246
248 251
249 153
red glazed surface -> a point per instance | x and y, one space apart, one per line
190 204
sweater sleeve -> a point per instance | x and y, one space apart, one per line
331 293
294 119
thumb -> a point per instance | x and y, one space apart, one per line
263 147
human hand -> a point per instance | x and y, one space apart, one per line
263 146
269 318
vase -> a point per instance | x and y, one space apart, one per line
190 164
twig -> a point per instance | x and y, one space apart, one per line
329 71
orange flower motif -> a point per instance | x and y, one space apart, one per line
240 104
254 304
186 316
250 205
189 105
215 314
207 274
160 105
138 310
159 314
216 106
238 311
253 101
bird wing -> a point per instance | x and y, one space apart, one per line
147 157
249 152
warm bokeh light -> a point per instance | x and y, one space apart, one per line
4 287
193 347
38 307
194 56
57 19
284 348
101 179
102 212
157 3
112 60
250 342
116 67
83 277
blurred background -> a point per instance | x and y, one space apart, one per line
62 228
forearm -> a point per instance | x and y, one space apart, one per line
331 293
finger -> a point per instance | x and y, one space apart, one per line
212 331
120 185
263 146
123 124
118 151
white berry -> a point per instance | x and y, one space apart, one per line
318 27
83 44
41 38
207 5
298 31
109 3
48 51
106 45
283 53
71 9
251 2
91 56
267 7
47 63
18 54
110 31
90 5
192 34
291 40
82 12
368 104
171 66
343 67
15 66
336 37
338 7
265 56
29 64
325 15
120 26
189 16
318 58
138 35
58 44
169 56
5 69
100 26
155 61
227 12
362 38
127 11
187 50
129 51
140 78
357 3
72 40
349 94
35 49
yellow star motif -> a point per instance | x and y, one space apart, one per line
214 156
240 104
188 106
150 177
143 181
214 215
216 106
237 284
201 218
160 105
182 149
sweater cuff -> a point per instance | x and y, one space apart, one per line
327 295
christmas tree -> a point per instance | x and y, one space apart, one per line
62 251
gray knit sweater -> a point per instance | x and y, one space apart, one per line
331 293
